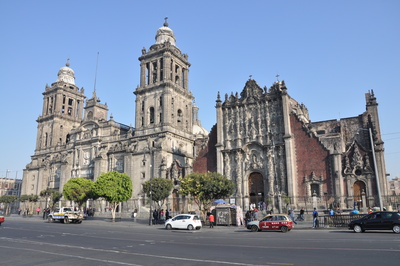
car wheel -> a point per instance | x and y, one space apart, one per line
396 228
66 220
50 219
169 227
190 227
358 229
254 228
284 229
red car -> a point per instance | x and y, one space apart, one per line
1 219
272 222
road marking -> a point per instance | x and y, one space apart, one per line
120 252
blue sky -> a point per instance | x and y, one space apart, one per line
330 53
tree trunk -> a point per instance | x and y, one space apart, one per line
114 210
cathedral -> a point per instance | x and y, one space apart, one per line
263 140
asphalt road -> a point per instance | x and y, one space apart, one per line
31 241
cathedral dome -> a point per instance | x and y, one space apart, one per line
66 74
165 34
198 130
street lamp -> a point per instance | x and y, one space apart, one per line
378 187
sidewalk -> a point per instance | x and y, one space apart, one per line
141 222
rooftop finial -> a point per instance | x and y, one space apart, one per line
166 22
250 77
277 77
67 64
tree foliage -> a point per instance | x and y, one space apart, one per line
114 187
7 200
158 189
205 188
29 198
79 190
53 196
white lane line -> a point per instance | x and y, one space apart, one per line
116 251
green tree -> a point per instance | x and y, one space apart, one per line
205 188
51 195
158 189
8 200
115 188
79 190
30 198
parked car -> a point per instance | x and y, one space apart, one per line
183 221
1 219
377 221
272 222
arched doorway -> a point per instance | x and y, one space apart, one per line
256 188
358 189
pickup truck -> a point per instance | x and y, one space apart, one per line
65 215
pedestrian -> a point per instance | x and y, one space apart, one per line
211 220
167 215
255 214
315 218
134 214
301 215
161 215
291 214
155 216
248 217
331 212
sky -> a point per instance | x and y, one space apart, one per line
329 53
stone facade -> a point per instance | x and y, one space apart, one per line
263 140
74 140
267 144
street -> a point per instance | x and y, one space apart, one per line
32 241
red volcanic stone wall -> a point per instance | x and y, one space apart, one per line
310 156
206 161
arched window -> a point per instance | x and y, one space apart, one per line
151 115
90 115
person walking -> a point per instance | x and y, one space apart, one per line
315 218
155 216
291 214
211 220
301 215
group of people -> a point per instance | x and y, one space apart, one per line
160 216
251 215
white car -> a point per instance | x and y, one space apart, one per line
183 221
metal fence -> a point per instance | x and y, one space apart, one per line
337 220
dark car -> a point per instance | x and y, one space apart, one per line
377 221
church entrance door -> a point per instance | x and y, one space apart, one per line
256 188
358 188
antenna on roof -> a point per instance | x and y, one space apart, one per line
95 76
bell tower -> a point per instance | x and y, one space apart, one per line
163 99
62 110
